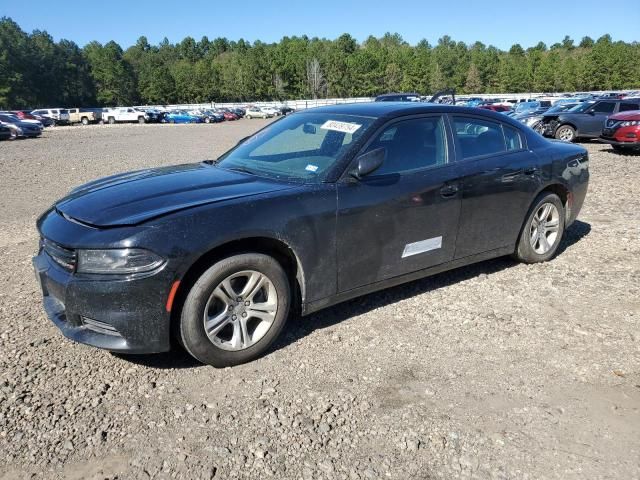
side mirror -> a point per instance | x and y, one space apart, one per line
242 140
591 112
369 162
309 128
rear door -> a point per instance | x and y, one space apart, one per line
404 216
593 121
499 178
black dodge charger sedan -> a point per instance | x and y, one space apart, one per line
319 207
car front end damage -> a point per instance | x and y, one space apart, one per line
122 310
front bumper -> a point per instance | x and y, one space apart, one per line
121 315
612 141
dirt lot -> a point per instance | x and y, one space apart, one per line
499 370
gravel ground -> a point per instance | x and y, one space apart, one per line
498 370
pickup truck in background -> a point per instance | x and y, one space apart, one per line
123 114
85 116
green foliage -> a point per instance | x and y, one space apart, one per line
35 71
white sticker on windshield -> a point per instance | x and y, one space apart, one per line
345 127
311 168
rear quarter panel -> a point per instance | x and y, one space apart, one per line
569 166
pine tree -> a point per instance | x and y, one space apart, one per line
473 83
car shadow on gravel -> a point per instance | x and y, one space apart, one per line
177 358
299 328
625 153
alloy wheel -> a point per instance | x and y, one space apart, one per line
545 226
565 134
241 310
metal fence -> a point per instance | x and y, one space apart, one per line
320 102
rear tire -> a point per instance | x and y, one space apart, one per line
542 231
112 120
221 299
84 121
566 133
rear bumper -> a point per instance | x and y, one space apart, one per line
118 315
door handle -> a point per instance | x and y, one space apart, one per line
449 191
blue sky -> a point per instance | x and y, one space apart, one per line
498 22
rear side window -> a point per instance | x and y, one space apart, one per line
412 145
626 107
478 137
481 137
512 137
604 107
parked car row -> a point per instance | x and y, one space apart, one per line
13 127
610 118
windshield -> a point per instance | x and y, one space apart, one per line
301 147
9 118
523 107
561 108
581 107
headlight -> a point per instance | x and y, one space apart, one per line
533 120
630 123
117 261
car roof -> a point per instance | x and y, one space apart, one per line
397 94
396 109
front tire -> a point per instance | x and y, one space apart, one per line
542 231
112 120
566 133
84 121
235 310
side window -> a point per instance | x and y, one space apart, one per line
478 137
412 145
626 107
604 107
512 137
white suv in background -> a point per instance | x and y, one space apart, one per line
60 115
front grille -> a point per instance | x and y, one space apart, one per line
64 257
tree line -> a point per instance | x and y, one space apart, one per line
36 71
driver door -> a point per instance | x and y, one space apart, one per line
595 117
403 217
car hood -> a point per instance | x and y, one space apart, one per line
134 197
629 115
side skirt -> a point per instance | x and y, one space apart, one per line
311 307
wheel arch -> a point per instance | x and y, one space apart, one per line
568 123
276 248
556 187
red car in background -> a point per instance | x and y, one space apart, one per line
496 108
622 131
25 115
229 115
